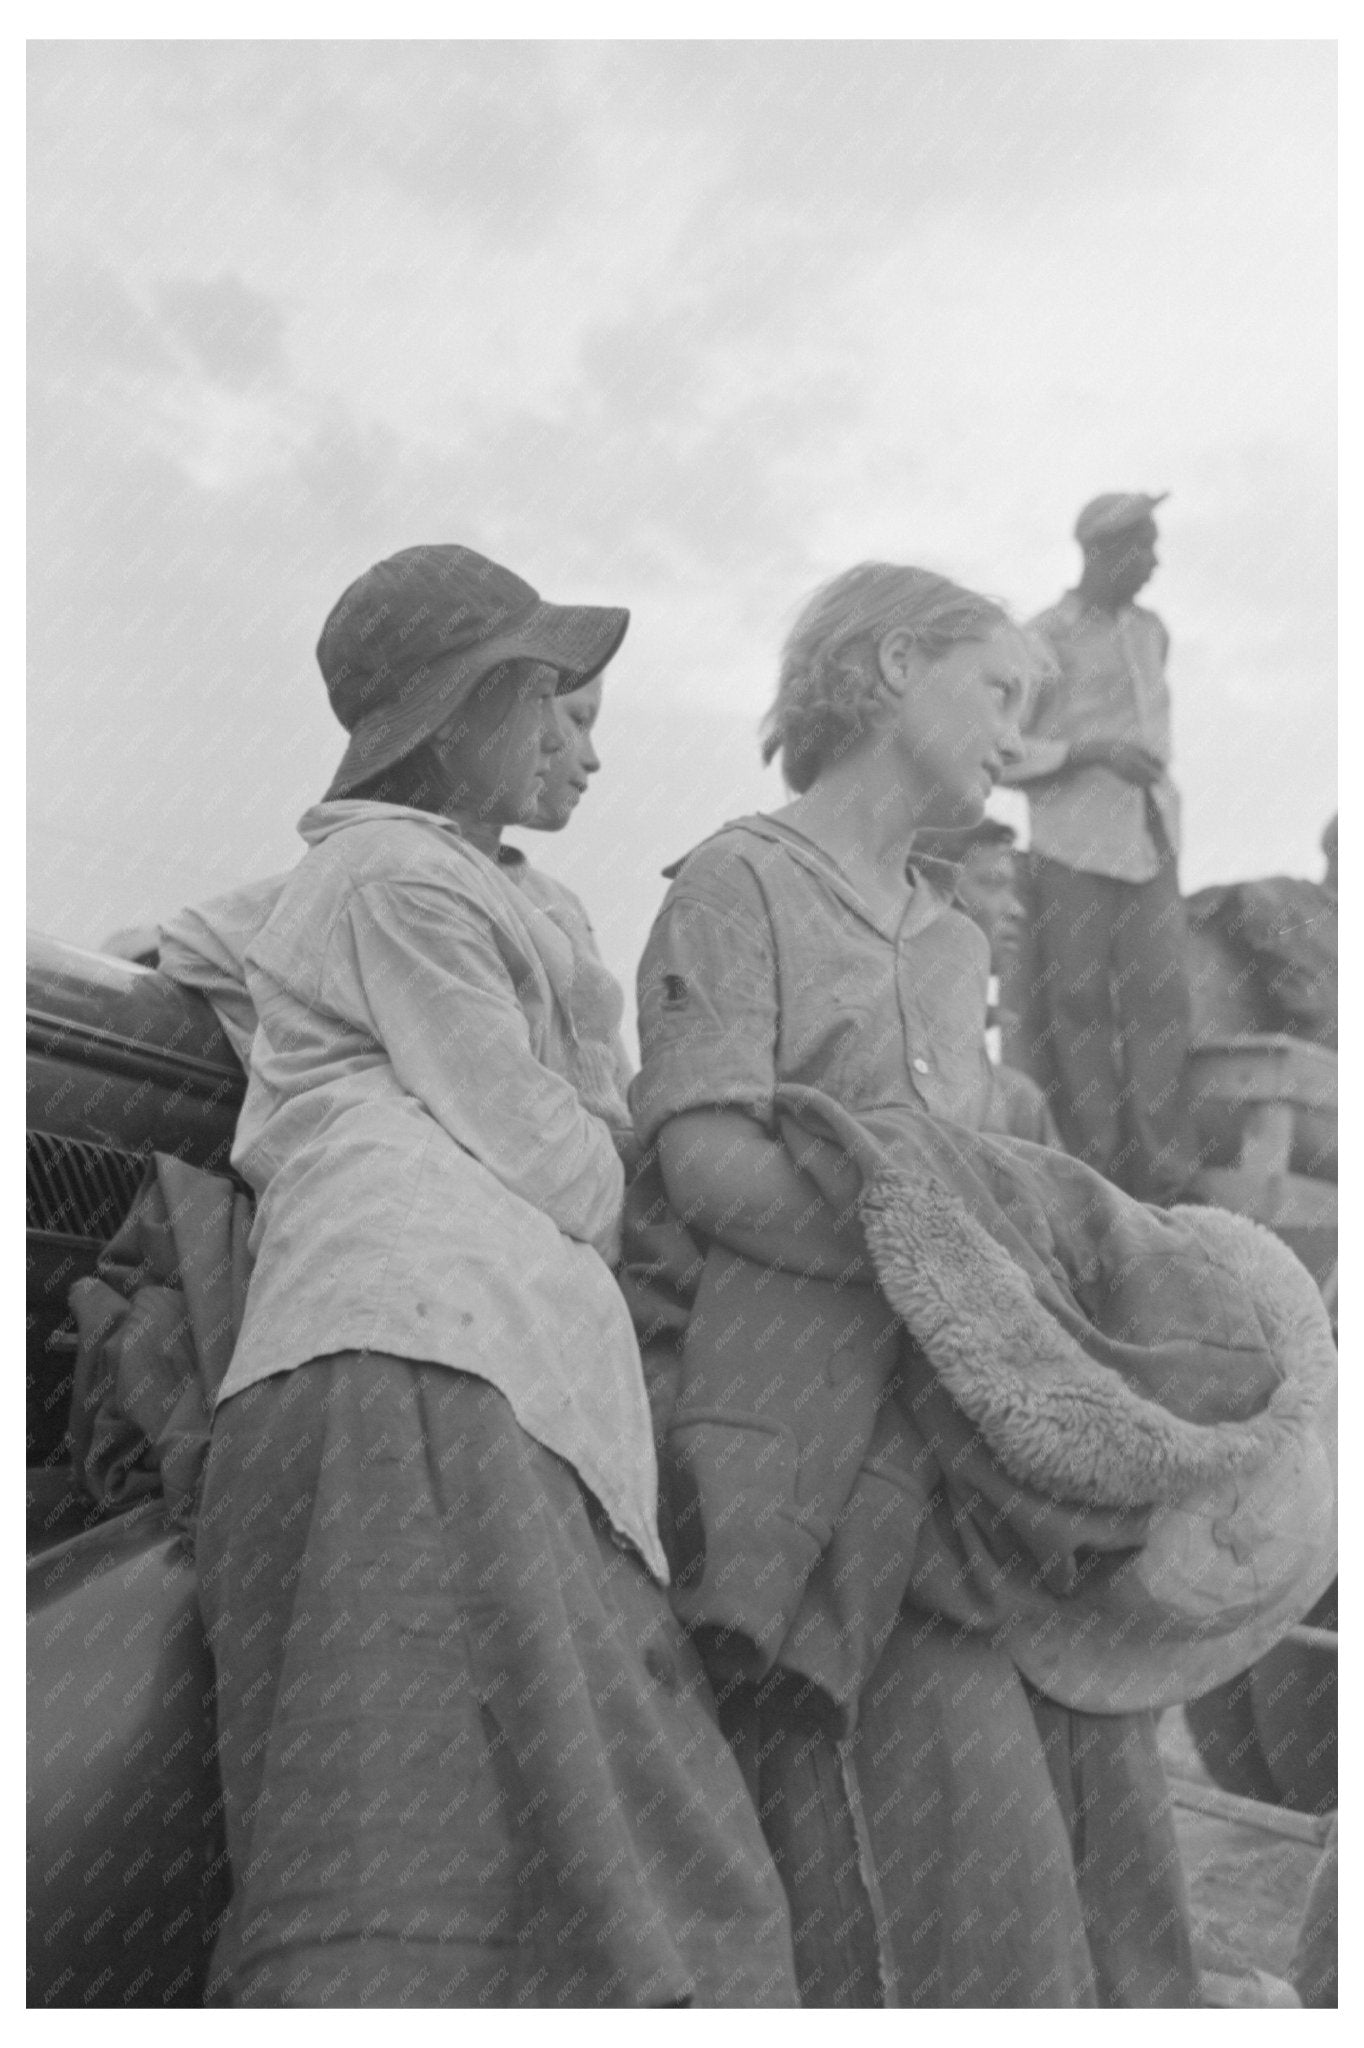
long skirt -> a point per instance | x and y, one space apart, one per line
926 1860
468 1756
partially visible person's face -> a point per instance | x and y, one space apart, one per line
988 892
1331 879
497 749
1124 562
566 775
956 725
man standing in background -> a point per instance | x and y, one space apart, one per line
982 866
1108 1008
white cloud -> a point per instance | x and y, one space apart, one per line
684 325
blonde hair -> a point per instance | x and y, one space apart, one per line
827 688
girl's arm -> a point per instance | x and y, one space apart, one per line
432 987
706 1093
730 1182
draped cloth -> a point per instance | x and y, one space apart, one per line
155 1329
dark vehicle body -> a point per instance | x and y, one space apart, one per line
127 1870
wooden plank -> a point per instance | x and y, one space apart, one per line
1303 1204
1305 1076
1247 1888
1266 1139
1289 1200
1247 1895
1314 1638
1239 1081
1253 1813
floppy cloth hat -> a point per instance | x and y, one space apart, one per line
1103 1353
407 642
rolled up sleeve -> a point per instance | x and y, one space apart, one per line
439 996
708 1008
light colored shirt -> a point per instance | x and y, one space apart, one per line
601 1069
994 1030
766 966
1109 684
203 947
429 1183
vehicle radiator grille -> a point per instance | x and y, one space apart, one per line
78 1189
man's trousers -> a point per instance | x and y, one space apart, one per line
1106 1019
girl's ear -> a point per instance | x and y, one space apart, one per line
896 657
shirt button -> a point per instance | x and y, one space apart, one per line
921 1066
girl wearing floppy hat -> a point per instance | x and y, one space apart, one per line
468 1755
203 946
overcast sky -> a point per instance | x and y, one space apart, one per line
687 327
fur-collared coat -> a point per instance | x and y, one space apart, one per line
1034 1389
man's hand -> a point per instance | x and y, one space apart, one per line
1127 758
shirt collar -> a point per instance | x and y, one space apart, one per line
337 813
936 869
926 903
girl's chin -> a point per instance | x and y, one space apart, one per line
553 811
957 814
531 803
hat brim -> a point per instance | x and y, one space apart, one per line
576 640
